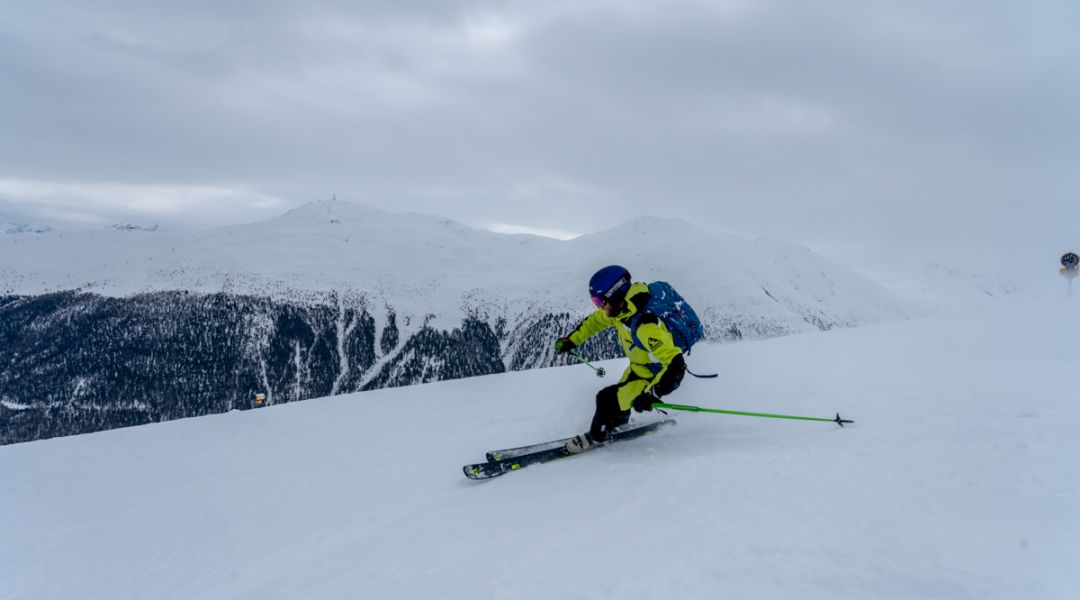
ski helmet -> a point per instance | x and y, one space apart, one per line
609 283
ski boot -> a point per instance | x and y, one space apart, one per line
580 443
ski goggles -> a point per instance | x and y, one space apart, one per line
598 301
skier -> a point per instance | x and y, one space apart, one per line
656 365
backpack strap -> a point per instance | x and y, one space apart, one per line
642 318
711 376
640 301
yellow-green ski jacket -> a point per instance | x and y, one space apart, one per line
649 363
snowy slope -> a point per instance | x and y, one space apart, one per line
931 284
958 481
422 265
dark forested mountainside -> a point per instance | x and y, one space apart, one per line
75 362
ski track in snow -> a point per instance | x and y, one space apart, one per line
957 481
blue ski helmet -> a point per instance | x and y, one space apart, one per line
609 283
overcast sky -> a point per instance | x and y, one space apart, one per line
847 121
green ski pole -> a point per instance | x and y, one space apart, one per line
599 370
837 420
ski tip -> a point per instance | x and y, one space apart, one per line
481 472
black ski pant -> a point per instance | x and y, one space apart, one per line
610 415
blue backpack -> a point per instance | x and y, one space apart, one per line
670 307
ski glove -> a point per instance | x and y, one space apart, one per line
564 345
646 400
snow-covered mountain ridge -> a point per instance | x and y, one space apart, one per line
418 264
105 328
21 228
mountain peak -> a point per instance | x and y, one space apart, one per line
131 227
665 224
336 212
333 209
651 227
21 228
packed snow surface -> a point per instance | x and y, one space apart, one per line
958 480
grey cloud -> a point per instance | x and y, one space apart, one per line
872 121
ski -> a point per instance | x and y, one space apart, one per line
508 453
487 470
